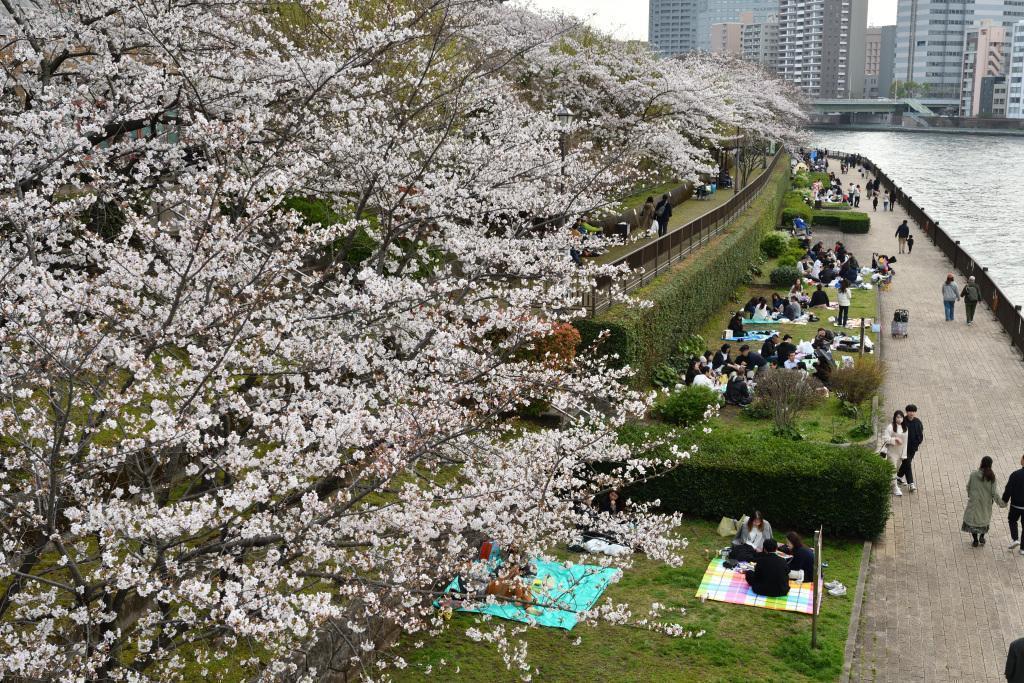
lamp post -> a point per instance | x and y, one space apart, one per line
565 117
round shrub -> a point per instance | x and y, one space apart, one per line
687 406
784 276
787 261
774 244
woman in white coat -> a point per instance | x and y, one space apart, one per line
894 445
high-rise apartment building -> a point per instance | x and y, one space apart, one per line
725 38
930 40
672 26
1015 74
984 64
759 43
755 41
711 12
678 26
879 60
821 46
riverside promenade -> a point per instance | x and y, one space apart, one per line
936 609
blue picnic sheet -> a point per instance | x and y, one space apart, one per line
561 592
750 335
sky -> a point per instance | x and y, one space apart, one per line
627 19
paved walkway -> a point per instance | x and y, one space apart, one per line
935 608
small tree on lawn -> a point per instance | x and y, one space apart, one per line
786 393
857 383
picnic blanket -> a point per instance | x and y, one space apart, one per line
561 592
725 585
750 335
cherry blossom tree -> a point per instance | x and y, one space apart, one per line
274 277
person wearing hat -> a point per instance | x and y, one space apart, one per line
971 294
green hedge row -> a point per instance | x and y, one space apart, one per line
795 484
846 221
689 295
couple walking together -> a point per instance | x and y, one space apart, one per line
982 493
903 437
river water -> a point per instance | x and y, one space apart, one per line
973 185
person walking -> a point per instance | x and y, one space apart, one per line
885 203
892 201
902 233
843 299
1014 495
981 493
894 446
910 243
915 437
874 202
971 294
950 295
856 198
1014 670
662 212
646 216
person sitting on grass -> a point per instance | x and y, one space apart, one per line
778 303
753 532
754 360
819 298
736 324
761 312
792 310
768 349
721 358
737 391
801 564
770 575
751 305
705 379
791 362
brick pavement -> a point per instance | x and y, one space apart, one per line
935 608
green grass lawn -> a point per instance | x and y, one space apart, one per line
740 643
681 215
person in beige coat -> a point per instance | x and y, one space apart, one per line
982 491
894 446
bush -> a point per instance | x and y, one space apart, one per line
689 294
856 384
795 485
787 261
784 276
774 245
687 406
786 393
846 221
791 212
691 347
665 375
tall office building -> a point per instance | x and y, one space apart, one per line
672 26
1015 74
709 12
821 46
879 60
930 40
983 69
725 38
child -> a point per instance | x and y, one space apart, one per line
910 243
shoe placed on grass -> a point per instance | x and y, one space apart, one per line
1013 545
838 591
832 584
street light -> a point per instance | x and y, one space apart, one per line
565 117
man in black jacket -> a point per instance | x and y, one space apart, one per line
1014 495
1014 671
770 576
783 350
915 437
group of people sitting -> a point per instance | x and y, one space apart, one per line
774 565
505 575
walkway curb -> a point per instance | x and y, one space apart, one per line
858 602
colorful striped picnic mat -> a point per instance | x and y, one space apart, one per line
725 585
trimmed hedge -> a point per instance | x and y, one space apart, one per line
846 221
774 245
690 294
795 484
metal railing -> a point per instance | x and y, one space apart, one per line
646 261
1008 315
